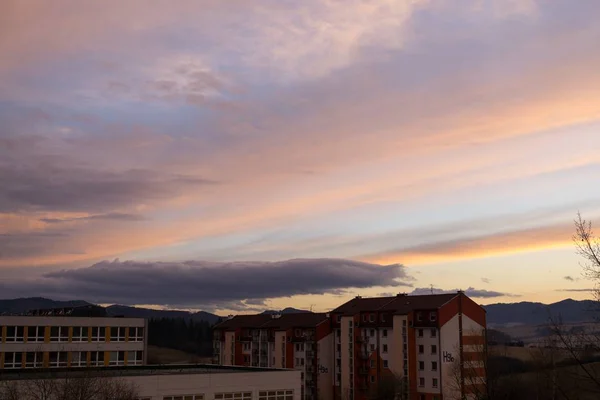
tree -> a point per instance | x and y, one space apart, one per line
390 387
588 247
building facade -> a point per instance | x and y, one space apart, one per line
71 338
301 342
181 382
429 347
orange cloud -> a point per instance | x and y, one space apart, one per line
484 246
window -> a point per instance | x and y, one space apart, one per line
246 346
372 318
234 395
276 395
421 349
419 316
434 365
297 361
434 382
97 358
421 365
98 334
420 331
403 322
80 334
435 397
34 359
338 332
350 323
364 318
372 347
135 357
117 334
13 360
302 361
59 334
404 330
79 359
385 349
433 332
58 359
385 363
384 333
339 318
433 349
14 333
339 348
372 378
372 332
185 397
35 334
136 334
298 332
116 358
339 377
421 382
382 317
432 316
372 363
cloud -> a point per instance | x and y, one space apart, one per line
470 291
576 290
485 280
206 284
569 278
113 216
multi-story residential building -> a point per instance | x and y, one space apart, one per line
71 337
422 344
430 347
294 341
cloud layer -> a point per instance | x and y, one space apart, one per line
470 291
207 285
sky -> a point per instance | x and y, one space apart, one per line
233 156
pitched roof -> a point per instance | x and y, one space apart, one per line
285 321
359 304
400 304
244 321
297 320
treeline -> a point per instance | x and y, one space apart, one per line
183 334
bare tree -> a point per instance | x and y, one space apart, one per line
588 247
9 390
390 387
469 375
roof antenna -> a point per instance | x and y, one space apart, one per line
311 307
431 289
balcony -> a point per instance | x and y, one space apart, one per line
363 371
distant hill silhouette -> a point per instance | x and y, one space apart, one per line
138 312
287 310
22 305
529 313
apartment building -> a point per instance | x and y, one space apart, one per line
71 337
429 347
178 382
432 347
294 341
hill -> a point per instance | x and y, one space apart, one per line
137 312
528 313
21 305
287 310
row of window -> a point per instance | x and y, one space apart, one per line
385 363
37 334
432 332
434 366
434 382
13 360
433 349
184 397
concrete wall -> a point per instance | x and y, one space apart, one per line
325 367
279 352
346 384
228 348
154 387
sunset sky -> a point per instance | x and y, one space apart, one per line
234 156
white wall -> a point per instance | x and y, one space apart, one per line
325 367
227 348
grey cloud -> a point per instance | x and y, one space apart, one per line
485 280
15 245
470 291
76 188
206 284
114 216
569 278
575 290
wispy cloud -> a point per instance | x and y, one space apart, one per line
470 291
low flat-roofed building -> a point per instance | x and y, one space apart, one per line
71 337
180 382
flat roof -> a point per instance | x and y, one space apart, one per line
134 370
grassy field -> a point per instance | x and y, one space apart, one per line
163 355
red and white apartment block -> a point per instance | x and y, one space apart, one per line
432 347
